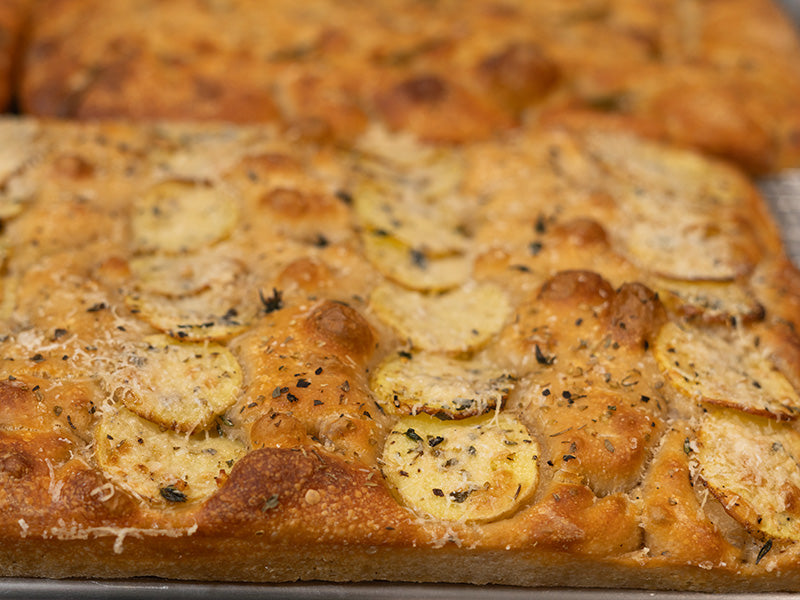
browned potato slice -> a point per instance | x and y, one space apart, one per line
751 465
215 314
417 222
457 321
413 268
724 370
181 386
184 274
179 216
158 465
440 385
667 240
710 301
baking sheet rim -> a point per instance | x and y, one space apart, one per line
142 589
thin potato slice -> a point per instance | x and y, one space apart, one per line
439 385
457 321
394 157
410 218
667 239
676 214
215 314
477 469
181 386
7 286
18 145
751 465
731 372
161 466
711 301
418 172
183 275
179 216
16 194
413 268
651 166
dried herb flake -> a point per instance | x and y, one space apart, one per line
412 435
170 494
763 551
272 303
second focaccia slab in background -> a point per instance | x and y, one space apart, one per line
723 77
13 21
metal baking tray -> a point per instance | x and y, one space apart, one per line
145 589
783 196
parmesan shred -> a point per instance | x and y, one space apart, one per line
76 532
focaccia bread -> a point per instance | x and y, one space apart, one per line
569 359
723 77
13 15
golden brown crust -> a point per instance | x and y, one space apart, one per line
574 298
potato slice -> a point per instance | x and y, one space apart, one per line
724 370
457 321
711 301
7 286
439 385
477 469
179 216
677 171
161 466
181 386
18 147
215 314
413 268
183 275
666 238
17 193
417 222
751 465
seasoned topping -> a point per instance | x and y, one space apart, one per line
727 370
413 268
179 216
181 386
457 321
476 469
158 465
606 438
272 302
751 465
440 386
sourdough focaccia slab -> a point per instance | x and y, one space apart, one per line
568 359
723 77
